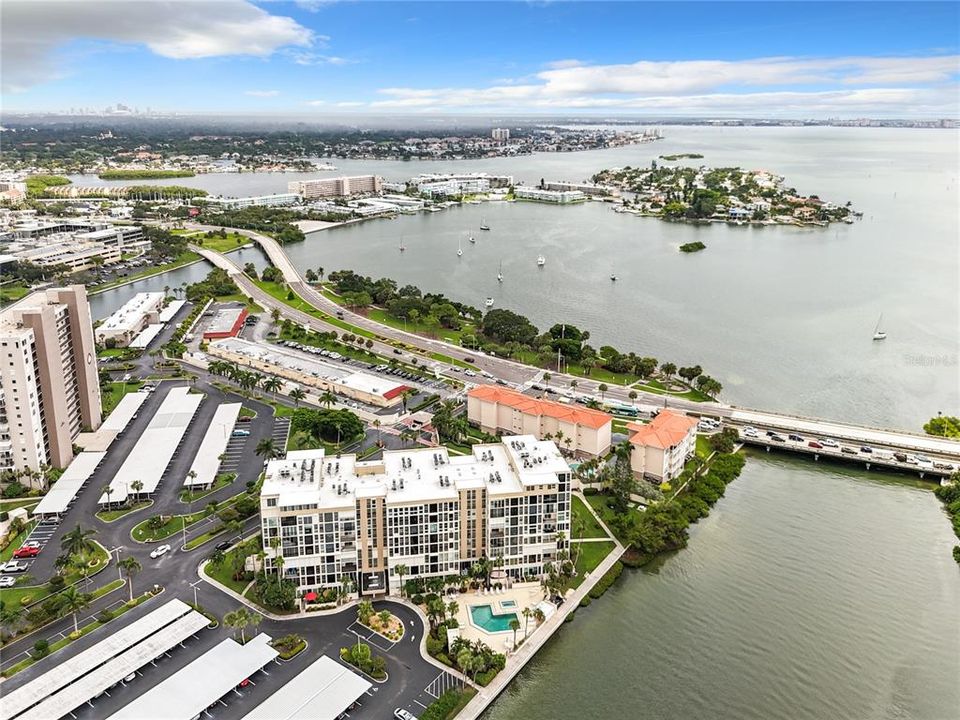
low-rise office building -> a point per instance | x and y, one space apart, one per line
310 371
226 322
560 197
279 199
662 446
501 410
434 513
134 316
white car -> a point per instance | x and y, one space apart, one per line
829 442
159 551
750 433
401 714
469 373
7 581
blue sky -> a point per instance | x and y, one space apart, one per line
813 59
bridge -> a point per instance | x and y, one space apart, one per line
944 451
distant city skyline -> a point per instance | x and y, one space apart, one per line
777 60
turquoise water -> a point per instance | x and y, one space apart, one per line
508 603
483 617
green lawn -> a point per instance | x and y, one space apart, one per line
221 481
205 537
591 528
703 446
12 291
142 533
21 595
232 241
591 554
111 515
12 503
112 394
599 503
223 572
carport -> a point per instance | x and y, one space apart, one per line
194 688
321 692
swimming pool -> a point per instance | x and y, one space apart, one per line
484 618
508 603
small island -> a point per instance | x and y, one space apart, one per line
692 247
727 194
143 174
681 156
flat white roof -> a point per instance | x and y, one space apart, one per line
192 689
66 488
123 413
416 475
172 308
113 671
16 701
321 692
308 364
131 313
147 335
214 442
150 456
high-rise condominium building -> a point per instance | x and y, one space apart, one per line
336 187
434 513
500 134
49 389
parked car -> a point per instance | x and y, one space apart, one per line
815 445
7 581
159 551
15 566
469 360
240 433
397 351
401 714
26 552
244 419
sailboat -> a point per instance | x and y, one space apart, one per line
459 249
541 261
402 246
879 334
500 273
483 224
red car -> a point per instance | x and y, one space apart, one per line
27 551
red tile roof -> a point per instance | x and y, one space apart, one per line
532 406
666 430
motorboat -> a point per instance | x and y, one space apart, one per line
541 261
879 334
488 302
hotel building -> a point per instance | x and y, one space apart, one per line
49 389
336 187
500 410
435 513
559 197
662 446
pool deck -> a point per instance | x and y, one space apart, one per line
537 637
523 594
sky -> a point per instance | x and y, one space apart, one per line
316 57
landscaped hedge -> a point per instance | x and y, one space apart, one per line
608 579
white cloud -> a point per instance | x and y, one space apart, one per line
315 103
770 85
350 104
312 58
262 93
32 31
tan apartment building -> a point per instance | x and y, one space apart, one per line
336 187
436 514
662 446
49 388
501 410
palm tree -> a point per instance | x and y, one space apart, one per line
405 396
633 396
108 491
239 619
267 449
465 661
272 384
78 541
275 315
297 395
377 424
131 566
538 615
73 601
255 619
401 570
10 615
514 625
328 398
547 377
136 486
527 612
602 388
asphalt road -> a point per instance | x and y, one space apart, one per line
410 676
